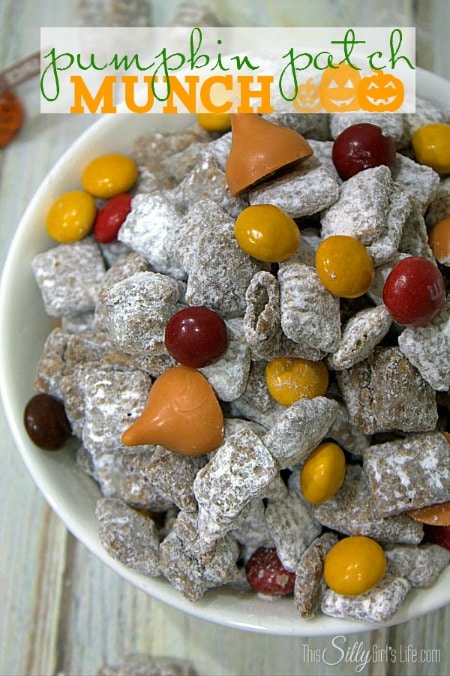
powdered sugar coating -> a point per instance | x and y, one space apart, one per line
299 193
222 283
362 207
128 536
113 400
439 209
152 229
418 180
119 271
386 392
385 248
184 566
240 471
138 309
207 180
420 565
409 473
309 583
66 288
228 376
428 349
309 312
414 240
299 429
392 124
378 604
292 526
262 319
255 403
136 488
360 335
353 511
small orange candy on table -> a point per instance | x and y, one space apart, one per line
344 266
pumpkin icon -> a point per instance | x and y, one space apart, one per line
308 97
381 93
339 89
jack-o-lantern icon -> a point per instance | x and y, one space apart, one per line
339 89
381 93
308 97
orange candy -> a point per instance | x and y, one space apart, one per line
431 145
433 515
344 266
11 116
218 122
439 240
290 379
354 565
259 148
182 414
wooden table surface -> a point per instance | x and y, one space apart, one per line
62 610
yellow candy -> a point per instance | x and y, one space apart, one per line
431 144
290 379
71 217
267 233
354 565
109 175
344 266
214 121
323 473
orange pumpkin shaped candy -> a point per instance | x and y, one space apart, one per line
381 93
11 116
182 414
260 148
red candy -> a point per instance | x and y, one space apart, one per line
362 146
414 291
267 575
196 337
110 217
438 535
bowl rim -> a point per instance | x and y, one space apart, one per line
218 605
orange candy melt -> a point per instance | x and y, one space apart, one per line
182 414
433 515
259 148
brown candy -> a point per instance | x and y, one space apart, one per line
259 148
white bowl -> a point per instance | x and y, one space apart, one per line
71 493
